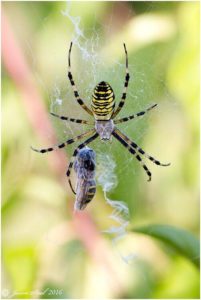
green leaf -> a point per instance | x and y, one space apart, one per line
179 239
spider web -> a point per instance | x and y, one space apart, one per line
95 69
90 64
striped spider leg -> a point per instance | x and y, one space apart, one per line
141 113
62 145
134 149
72 119
123 98
70 76
116 134
68 142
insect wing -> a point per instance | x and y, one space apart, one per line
85 192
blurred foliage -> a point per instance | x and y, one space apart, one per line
181 240
21 259
42 260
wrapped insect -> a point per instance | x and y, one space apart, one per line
84 166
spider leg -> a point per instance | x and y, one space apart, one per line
70 76
125 119
68 142
89 140
117 135
72 120
139 150
127 77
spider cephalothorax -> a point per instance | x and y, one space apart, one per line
104 129
104 112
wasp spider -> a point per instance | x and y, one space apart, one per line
104 113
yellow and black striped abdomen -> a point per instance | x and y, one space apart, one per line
103 101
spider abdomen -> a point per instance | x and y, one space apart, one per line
103 101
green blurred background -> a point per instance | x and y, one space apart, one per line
49 252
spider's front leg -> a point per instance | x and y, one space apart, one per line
127 77
70 76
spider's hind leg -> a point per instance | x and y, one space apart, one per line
139 150
68 142
116 134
